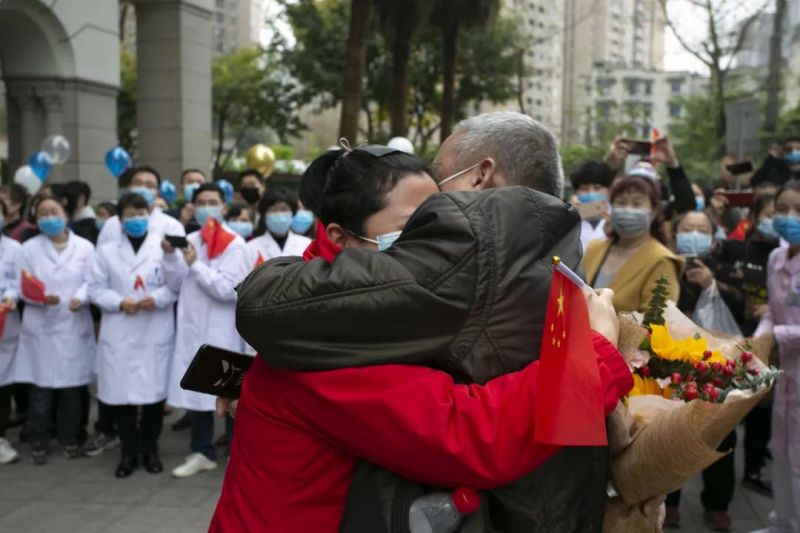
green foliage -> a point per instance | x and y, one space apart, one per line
695 139
250 91
126 100
572 155
658 303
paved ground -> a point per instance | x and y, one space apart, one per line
82 496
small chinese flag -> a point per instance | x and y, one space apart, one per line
569 407
138 284
259 260
215 237
3 313
32 287
655 135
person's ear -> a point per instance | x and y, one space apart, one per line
487 176
340 237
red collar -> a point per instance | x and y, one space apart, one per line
321 246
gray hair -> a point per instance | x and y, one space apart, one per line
524 150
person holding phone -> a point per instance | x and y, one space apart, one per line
56 352
591 181
205 275
137 335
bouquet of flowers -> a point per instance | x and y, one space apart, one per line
691 389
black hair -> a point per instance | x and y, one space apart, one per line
127 176
41 197
235 210
4 208
213 187
680 218
250 172
791 185
134 200
591 172
190 170
349 187
17 193
761 202
108 206
72 190
269 199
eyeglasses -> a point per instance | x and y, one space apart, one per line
457 174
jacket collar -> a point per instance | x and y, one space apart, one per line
783 262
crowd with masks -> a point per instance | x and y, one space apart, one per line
107 304
731 268
98 295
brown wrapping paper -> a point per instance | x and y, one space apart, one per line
621 518
631 335
669 449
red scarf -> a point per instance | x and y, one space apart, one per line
321 246
215 237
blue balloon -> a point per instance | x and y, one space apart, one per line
117 161
168 191
41 164
227 188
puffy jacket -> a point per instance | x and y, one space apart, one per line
465 286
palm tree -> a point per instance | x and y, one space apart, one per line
354 68
451 16
400 21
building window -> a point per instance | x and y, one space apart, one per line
675 110
648 87
675 85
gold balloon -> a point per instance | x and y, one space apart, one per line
260 157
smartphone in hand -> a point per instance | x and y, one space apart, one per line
638 147
217 372
177 241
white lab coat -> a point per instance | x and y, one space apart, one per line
133 351
589 233
57 346
159 222
10 252
268 248
206 310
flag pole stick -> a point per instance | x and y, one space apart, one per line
568 273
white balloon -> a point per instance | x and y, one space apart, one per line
57 147
402 144
26 177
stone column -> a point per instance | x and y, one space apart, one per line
53 123
30 133
173 41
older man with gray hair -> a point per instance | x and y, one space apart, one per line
497 150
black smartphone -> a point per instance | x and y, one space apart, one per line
177 241
742 167
217 371
691 261
636 147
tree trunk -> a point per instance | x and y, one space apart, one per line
449 36
354 68
718 106
521 81
775 68
220 144
401 51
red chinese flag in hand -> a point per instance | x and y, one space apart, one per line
215 237
259 260
138 284
32 287
569 406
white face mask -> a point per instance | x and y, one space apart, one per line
383 241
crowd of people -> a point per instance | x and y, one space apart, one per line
429 366
123 308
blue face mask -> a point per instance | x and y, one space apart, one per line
793 157
788 227
203 213
693 243
135 226
52 226
630 221
387 239
98 222
720 235
589 197
242 227
189 189
145 193
278 223
767 229
302 221
699 203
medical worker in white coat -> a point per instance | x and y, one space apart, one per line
206 314
146 181
274 238
137 335
56 351
10 251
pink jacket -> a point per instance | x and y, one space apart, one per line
783 319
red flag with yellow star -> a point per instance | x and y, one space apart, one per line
570 412
32 287
215 237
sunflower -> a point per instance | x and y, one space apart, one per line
689 350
